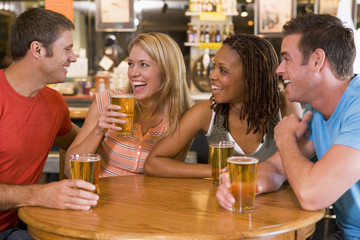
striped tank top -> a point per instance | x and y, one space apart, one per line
125 155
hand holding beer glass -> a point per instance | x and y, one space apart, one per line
86 167
218 153
243 174
127 104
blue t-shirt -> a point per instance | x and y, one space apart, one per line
343 127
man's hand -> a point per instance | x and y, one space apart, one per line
291 128
66 194
223 195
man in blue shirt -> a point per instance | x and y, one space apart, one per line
317 68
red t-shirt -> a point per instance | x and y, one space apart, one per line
28 127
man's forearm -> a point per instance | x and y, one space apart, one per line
271 174
15 196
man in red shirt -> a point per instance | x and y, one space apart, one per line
33 117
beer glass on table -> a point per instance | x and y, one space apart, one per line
218 153
243 174
86 167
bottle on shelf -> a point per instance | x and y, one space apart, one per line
217 34
196 5
209 6
225 32
206 61
202 33
219 6
207 34
231 6
191 6
212 34
224 5
190 37
199 5
195 37
213 3
203 6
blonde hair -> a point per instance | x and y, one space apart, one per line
174 93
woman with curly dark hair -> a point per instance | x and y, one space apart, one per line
244 108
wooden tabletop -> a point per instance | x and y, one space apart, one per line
143 207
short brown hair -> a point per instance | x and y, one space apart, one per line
36 24
328 33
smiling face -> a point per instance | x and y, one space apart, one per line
55 67
227 81
295 74
144 74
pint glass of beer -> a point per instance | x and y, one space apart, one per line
86 167
127 104
243 174
218 153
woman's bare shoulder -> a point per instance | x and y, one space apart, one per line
202 107
287 107
199 116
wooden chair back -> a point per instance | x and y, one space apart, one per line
62 164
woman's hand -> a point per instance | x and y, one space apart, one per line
109 117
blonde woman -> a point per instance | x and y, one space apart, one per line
157 76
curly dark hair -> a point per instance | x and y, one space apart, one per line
261 100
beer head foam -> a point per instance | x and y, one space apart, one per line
222 144
85 157
122 96
243 160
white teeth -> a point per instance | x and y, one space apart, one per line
287 81
139 83
214 87
66 68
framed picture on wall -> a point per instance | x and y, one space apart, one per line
271 15
355 6
346 8
115 16
327 6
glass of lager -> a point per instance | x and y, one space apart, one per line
86 167
218 153
243 175
127 104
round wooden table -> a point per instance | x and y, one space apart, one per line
143 207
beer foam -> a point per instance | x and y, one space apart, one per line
84 160
226 144
122 96
85 157
242 160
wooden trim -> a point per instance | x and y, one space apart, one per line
62 164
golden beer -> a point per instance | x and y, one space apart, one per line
218 153
243 175
127 104
86 167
